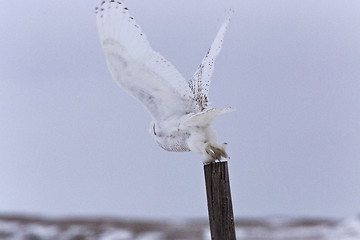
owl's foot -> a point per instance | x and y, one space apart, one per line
215 152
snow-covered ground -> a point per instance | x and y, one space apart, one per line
32 228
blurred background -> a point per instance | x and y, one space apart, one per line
74 144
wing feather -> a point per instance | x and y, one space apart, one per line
200 82
137 68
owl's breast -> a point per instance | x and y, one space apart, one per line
174 141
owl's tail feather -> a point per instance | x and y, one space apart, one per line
204 119
203 139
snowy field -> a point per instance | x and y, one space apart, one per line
31 228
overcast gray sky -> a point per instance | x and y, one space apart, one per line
73 143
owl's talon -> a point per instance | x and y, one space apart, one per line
215 153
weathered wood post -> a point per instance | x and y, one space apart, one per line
221 216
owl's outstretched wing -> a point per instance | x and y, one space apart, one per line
137 68
200 82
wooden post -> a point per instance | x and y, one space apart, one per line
221 216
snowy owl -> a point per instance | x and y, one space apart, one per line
181 119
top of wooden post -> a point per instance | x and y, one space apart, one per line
220 209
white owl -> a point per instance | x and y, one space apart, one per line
181 119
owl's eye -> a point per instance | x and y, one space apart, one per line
154 129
